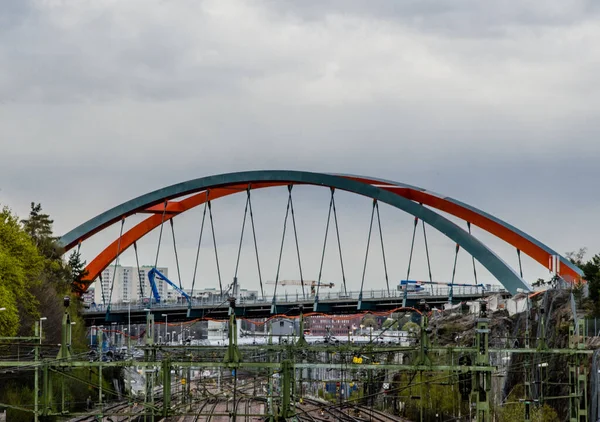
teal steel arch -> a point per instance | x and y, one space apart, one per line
493 263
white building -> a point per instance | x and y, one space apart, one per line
127 285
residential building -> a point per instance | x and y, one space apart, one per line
129 285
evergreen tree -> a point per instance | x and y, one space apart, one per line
39 227
76 267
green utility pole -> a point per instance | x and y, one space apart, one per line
166 382
36 381
233 353
482 382
286 410
578 411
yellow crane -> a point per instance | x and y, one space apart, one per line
312 283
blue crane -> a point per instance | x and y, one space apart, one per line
155 273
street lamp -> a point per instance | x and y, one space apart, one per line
42 319
2 309
166 324
128 325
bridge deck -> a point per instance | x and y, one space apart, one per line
335 304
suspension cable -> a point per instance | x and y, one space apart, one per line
324 244
160 234
212 227
175 249
387 282
137 262
237 262
412 248
287 212
362 283
296 239
255 243
102 289
112 284
427 254
450 296
520 265
199 243
337 231
472 257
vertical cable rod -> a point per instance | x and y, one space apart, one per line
212 227
160 233
296 239
324 244
472 257
199 243
362 283
112 284
287 212
520 265
387 281
427 254
339 242
255 243
412 248
237 262
175 250
451 293
137 263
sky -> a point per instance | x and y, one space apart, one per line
493 103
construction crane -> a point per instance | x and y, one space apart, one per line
312 283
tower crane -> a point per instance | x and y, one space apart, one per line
312 283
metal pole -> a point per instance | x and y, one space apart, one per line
36 382
129 327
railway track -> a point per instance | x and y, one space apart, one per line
347 412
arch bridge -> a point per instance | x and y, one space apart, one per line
163 205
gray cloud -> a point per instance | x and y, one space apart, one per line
492 103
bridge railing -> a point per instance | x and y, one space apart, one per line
367 295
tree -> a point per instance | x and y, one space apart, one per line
39 227
591 273
76 267
389 323
20 269
369 320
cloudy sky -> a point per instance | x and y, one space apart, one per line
494 103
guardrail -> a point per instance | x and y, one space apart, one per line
218 300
